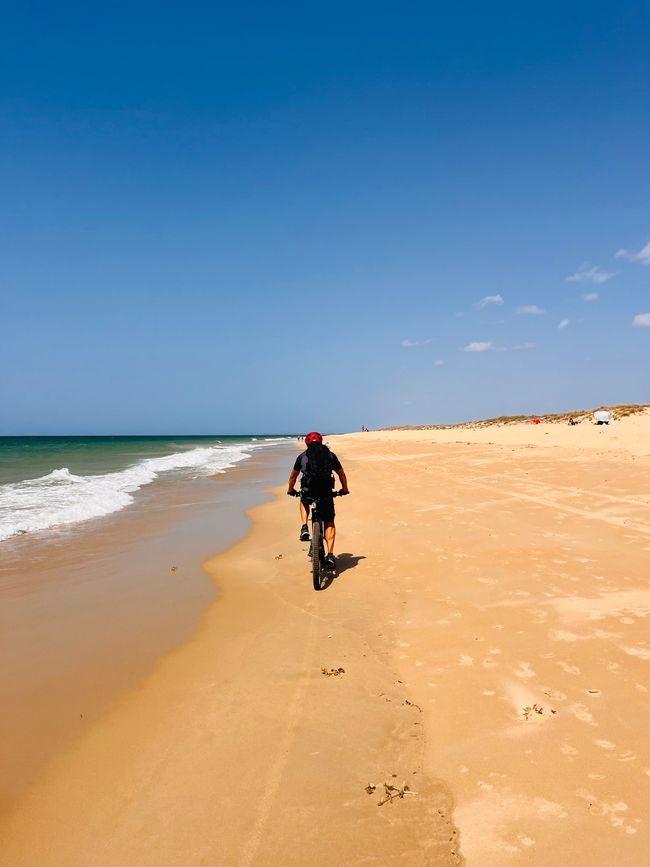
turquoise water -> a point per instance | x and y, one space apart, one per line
30 457
53 481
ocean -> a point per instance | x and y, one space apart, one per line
48 482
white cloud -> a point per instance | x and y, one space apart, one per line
642 256
524 346
490 299
563 323
480 346
438 362
585 274
642 319
590 296
530 308
409 344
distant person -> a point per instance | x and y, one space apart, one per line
572 421
317 463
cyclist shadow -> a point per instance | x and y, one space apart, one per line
347 561
343 563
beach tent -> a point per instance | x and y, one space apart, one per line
602 416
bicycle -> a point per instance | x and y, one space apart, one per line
319 569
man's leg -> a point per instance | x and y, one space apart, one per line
330 535
304 516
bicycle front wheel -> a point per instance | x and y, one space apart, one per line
316 546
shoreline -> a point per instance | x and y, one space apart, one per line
87 614
489 618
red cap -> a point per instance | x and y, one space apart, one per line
313 437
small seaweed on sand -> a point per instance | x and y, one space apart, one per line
536 708
391 792
333 672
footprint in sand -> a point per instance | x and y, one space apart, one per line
525 671
581 712
525 840
627 756
570 669
639 652
550 808
610 810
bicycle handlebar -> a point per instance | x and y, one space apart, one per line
333 494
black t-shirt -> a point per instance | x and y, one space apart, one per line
301 462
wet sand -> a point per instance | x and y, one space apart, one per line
490 618
86 611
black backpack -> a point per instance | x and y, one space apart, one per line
316 467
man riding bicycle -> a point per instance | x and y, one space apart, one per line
317 463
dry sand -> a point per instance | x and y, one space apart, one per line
490 621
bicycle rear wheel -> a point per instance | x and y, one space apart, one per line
316 546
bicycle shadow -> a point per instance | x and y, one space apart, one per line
347 561
343 563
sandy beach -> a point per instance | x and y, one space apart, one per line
489 618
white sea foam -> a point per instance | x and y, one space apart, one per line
61 497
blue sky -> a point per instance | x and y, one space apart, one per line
286 217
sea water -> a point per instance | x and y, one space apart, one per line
50 482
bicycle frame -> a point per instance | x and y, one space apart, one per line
317 550
314 517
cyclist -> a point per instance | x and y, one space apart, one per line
317 463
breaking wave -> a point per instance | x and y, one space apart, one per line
60 497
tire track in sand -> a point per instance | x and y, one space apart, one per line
278 764
612 520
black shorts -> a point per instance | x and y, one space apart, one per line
325 508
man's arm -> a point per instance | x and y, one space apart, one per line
292 480
344 482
